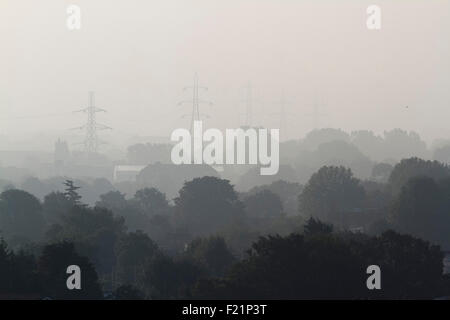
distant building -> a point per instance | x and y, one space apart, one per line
60 156
126 172
62 153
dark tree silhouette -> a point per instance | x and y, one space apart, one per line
369 144
18 277
263 204
166 278
313 227
316 137
287 191
442 154
133 250
55 206
114 201
415 167
169 178
94 231
151 202
211 254
128 292
421 210
332 266
400 144
253 177
71 192
21 215
206 205
330 192
381 172
341 153
52 266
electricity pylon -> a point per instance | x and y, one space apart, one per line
316 115
91 141
283 115
196 101
248 105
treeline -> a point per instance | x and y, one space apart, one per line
316 264
281 240
359 150
415 200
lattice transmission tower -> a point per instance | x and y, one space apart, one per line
283 116
248 105
91 140
316 114
196 101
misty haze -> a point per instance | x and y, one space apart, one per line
358 142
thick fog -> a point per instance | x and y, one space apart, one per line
138 55
234 149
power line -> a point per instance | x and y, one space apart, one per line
41 116
91 141
196 101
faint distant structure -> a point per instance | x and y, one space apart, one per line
196 101
283 115
316 115
91 141
248 105
61 155
126 172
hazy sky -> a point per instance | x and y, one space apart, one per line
138 55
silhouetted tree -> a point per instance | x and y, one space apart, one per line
331 266
263 204
211 254
369 144
55 206
316 137
253 177
341 153
167 278
128 292
330 192
94 231
400 144
415 167
52 266
169 178
35 187
71 192
442 154
205 205
151 202
287 191
21 215
128 209
133 250
18 277
381 172
411 267
314 226
114 201
420 210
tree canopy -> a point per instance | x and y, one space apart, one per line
330 192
